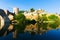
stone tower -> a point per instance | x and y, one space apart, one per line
15 10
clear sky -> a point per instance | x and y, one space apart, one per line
48 5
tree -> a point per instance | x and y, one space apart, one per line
42 23
21 11
32 10
20 22
56 21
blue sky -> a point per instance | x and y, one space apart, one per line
48 5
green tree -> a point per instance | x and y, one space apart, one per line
21 11
32 10
20 18
44 24
56 21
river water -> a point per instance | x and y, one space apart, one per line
50 35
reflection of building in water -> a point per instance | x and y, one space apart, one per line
10 27
31 27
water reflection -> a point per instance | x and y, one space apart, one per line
11 26
50 35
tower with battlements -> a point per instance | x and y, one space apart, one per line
15 10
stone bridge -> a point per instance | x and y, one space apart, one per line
6 19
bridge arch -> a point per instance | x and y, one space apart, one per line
6 22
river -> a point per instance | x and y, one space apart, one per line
50 35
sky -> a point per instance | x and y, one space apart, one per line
48 5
